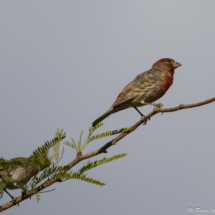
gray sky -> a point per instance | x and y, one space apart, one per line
62 65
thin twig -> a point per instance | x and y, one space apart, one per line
47 191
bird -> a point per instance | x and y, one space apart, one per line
146 88
19 175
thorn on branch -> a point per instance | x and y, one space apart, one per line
25 193
181 106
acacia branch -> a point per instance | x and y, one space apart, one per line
103 149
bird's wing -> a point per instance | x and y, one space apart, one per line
123 96
129 92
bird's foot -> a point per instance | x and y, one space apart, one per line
181 106
144 120
159 105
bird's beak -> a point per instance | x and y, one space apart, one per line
176 65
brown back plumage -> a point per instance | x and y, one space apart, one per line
146 88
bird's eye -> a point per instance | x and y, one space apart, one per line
169 61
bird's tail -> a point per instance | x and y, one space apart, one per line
105 115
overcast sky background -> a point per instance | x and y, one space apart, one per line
62 65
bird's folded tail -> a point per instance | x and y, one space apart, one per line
105 115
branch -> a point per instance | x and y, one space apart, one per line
103 149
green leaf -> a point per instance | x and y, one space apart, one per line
92 129
38 198
2 186
82 177
89 165
55 152
73 145
105 134
43 150
108 133
79 147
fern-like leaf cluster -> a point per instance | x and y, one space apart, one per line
76 175
48 166
79 147
89 165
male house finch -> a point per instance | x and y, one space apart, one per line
146 88
20 175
